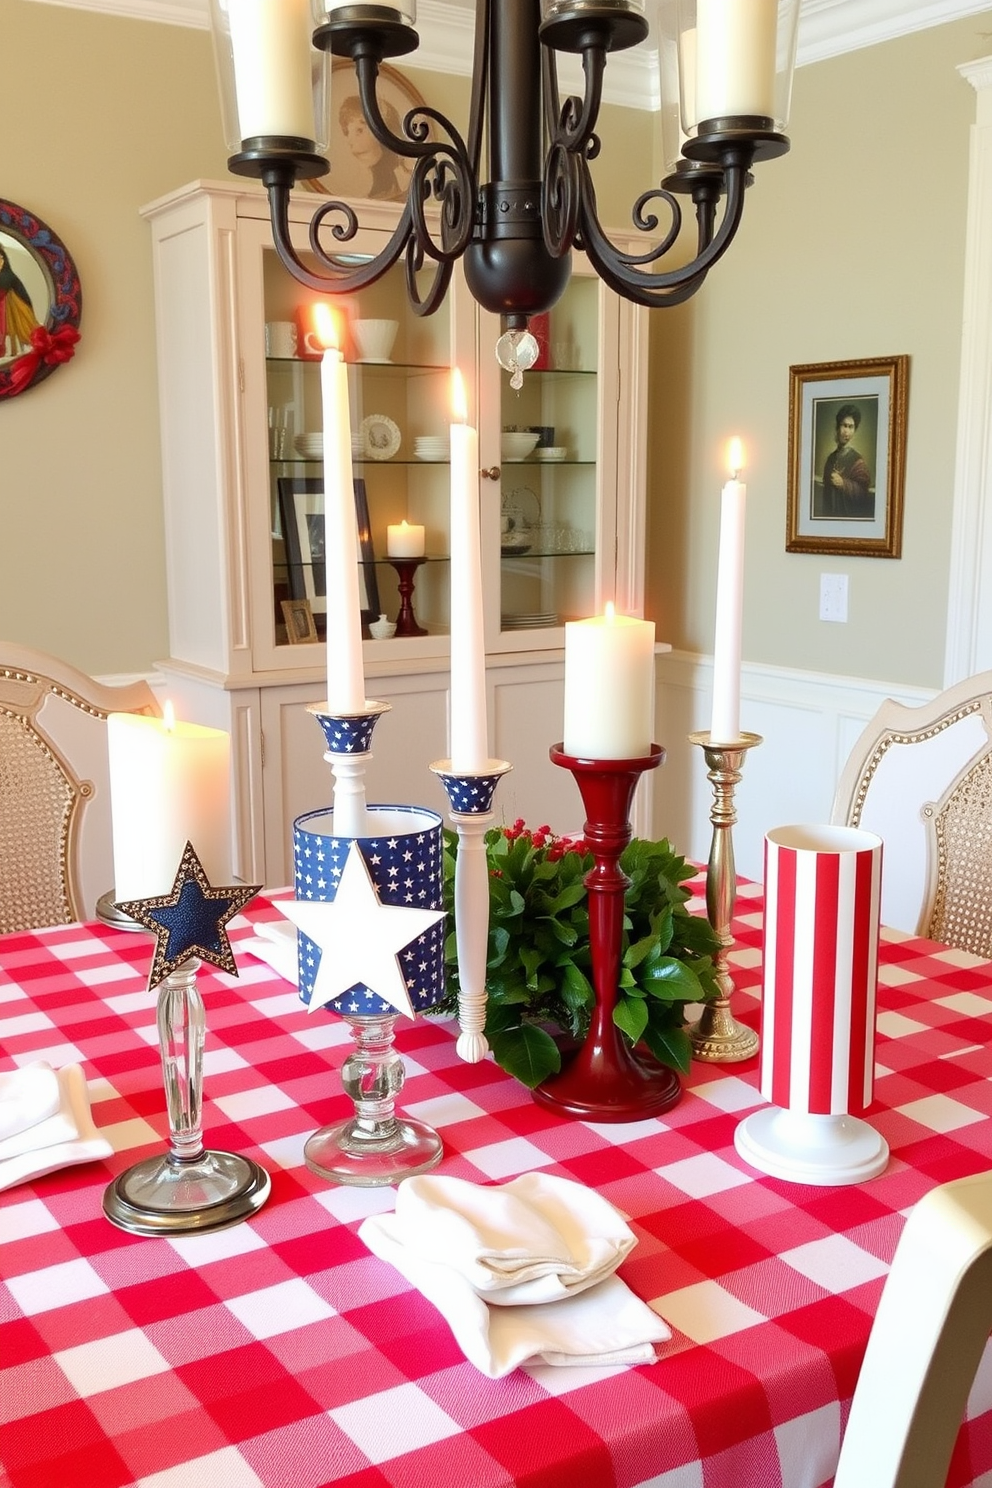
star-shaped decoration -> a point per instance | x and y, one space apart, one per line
190 920
359 938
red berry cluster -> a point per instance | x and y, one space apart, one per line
543 837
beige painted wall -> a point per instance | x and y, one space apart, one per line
852 246
109 114
130 112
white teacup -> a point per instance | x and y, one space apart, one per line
280 338
374 338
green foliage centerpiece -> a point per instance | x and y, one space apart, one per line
539 959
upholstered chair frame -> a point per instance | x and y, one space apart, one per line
922 779
55 828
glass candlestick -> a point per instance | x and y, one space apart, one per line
190 1189
718 1037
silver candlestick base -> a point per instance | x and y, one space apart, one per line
718 1037
189 1190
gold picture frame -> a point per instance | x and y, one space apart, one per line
301 629
847 457
360 168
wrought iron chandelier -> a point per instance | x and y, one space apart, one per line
726 84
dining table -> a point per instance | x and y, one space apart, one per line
280 1353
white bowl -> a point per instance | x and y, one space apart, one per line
309 445
551 452
517 444
374 338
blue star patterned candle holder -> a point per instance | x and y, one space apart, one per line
370 916
470 797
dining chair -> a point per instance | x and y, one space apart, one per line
56 844
921 779
926 1342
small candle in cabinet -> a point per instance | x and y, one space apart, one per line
609 687
169 783
405 540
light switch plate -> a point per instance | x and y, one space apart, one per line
833 597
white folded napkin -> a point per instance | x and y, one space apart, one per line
27 1096
275 944
520 1271
57 1140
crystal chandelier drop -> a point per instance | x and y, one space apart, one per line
515 194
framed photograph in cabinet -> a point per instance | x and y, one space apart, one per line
301 629
847 457
301 503
360 167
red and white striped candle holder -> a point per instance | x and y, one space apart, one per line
820 969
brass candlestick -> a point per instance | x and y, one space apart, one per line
718 1037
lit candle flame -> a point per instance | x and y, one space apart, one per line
325 324
459 403
735 457
168 716
609 612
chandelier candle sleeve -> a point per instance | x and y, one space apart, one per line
169 783
609 687
345 671
270 40
469 730
405 540
735 58
725 724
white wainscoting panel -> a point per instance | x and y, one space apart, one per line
808 722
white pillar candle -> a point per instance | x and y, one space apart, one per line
345 671
405 540
735 58
469 742
609 687
270 40
725 724
169 783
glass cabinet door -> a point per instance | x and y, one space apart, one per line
399 385
550 432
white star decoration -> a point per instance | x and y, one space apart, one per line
359 938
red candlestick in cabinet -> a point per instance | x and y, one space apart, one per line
406 620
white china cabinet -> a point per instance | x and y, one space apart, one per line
242 481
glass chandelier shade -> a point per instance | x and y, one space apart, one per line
734 61
274 82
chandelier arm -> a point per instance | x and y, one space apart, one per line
480 71
577 117
621 270
334 277
425 304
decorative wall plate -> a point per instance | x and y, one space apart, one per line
40 301
380 436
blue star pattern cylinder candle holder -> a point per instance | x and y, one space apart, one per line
390 932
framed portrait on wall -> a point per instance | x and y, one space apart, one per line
847 457
301 504
360 167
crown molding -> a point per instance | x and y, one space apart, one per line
827 28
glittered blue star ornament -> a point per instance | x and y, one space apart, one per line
190 920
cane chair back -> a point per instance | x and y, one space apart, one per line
921 778
56 853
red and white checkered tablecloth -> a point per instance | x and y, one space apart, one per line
281 1353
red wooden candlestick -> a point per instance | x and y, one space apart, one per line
406 620
607 1080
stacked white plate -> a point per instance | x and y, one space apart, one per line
431 447
550 452
537 621
310 446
